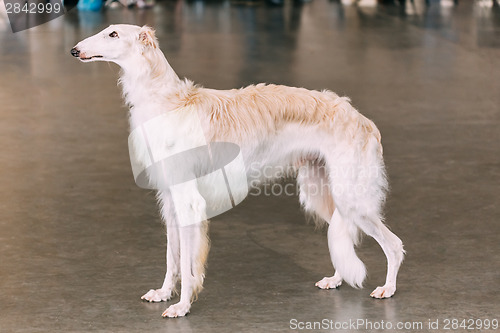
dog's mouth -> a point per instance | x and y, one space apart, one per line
90 58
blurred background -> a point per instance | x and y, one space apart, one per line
80 242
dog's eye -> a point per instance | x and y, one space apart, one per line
114 34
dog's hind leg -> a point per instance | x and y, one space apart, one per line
316 198
194 245
173 255
359 199
393 250
372 225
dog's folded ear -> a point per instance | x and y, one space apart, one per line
147 37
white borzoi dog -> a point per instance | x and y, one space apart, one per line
318 134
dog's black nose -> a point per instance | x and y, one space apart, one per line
75 52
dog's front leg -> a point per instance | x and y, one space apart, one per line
171 276
193 244
173 255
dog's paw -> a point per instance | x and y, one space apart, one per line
383 292
331 282
177 310
158 295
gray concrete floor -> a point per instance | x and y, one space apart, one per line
80 242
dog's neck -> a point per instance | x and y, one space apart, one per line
148 80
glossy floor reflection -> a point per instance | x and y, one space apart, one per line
80 242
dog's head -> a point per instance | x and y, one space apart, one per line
117 43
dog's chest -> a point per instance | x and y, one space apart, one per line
154 140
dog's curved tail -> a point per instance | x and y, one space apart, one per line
342 238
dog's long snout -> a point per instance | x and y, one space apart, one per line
75 52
